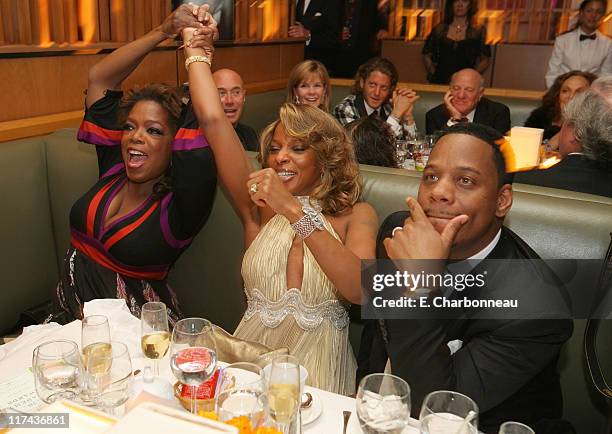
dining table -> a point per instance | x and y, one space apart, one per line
17 361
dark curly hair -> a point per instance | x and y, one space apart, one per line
550 100
168 98
374 142
449 15
375 64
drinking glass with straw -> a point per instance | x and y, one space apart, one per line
447 411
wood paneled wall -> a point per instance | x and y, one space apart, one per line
42 86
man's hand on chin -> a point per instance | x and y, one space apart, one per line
419 239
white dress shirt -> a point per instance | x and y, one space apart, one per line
469 117
570 53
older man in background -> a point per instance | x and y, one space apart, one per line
464 102
585 143
233 96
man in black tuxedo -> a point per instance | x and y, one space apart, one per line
464 102
585 144
506 365
319 21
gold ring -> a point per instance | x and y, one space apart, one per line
253 188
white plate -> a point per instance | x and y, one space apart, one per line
311 414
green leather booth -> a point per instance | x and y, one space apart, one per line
42 176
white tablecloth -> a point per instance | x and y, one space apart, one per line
19 357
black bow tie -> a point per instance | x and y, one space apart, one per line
591 36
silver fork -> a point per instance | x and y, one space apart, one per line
347 416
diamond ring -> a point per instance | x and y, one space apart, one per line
253 188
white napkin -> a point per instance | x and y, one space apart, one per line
124 327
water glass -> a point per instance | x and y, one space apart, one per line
515 428
445 411
193 353
383 404
57 370
155 334
284 391
109 374
241 392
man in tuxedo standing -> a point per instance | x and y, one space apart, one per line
319 21
464 102
506 363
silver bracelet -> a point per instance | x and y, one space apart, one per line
304 227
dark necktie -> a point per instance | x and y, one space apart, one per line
591 36
299 9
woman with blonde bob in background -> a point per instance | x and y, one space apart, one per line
309 84
305 231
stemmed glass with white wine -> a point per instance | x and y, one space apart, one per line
193 353
155 334
284 390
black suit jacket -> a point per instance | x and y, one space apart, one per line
508 366
248 137
323 19
575 172
491 113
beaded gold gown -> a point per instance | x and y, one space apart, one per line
312 321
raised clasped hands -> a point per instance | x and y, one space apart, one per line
403 103
267 190
418 239
448 103
204 32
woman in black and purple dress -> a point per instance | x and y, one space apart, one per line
156 185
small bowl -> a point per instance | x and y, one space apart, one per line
203 405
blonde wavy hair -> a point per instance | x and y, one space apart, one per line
340 186
302 72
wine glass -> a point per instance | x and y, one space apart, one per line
57 370
383 404
95 338
284 390
447 411
155 335
240 392
193 353
110 373
515 428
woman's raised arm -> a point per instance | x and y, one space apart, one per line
233 164
110 72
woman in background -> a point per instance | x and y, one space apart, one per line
455 44
309 84
374 141
549 116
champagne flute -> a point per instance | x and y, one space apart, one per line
57 370
401 148
155 335
240 392
515 428
193 353
445 411
383 404
95 340
284 390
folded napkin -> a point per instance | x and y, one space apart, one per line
124 327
